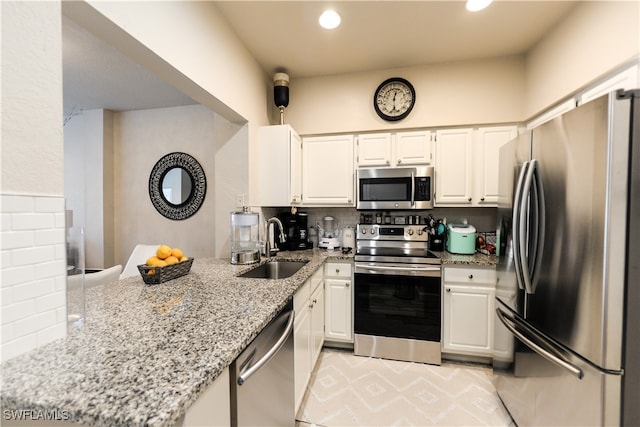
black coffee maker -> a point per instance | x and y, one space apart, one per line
295 227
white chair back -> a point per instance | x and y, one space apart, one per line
139 256
102 277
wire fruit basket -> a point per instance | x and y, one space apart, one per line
155 275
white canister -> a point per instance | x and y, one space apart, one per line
348 237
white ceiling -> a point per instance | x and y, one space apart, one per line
285 36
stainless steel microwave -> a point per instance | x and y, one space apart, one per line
395 188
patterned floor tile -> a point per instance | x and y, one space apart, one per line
347 390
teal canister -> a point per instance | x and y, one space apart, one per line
461 239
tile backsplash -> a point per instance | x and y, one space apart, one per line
33 297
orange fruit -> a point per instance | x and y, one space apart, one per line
184 258
153 261
171 260
177 252
163 251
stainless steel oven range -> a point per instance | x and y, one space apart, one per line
397 294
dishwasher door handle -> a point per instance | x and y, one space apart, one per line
244 375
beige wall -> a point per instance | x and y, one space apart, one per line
453 94
141 139
33 265
88 182
595 38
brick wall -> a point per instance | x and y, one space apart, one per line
33 297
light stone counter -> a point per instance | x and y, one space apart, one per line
147 352
476 259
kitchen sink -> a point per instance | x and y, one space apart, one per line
279 269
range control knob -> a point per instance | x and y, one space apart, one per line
373 230
410 232
363 231
420 232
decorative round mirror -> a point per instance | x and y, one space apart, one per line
177 186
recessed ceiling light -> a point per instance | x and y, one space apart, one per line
329 19
476 5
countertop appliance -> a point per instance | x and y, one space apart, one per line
395 188
329 234
262 383
461 239
568 268
295 228
397 294
245 245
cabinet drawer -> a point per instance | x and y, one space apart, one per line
338 269
469 275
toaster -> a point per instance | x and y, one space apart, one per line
461 239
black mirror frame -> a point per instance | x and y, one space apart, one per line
198 188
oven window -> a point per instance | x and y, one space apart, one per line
397 306
385 189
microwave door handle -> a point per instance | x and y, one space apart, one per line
413 189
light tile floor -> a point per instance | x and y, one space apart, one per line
348 390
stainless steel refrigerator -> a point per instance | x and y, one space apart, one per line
567 329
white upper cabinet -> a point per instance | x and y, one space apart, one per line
374 149
467 165
391 150
327 171
488 143
453 167
413 148
279 166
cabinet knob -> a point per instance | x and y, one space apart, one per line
469 198
399 161
482 199
347 284
387 162
470 276
448 289
337 271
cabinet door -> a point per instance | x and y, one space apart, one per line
317 325
413 148
468 320
337 319
295 144
278 184
489 141
302 352
453 167
374 149
328 170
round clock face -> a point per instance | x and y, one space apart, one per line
394 99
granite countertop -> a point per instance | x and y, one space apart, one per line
147 352
477 259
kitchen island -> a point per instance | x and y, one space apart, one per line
147 352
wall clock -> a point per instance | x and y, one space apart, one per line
394 99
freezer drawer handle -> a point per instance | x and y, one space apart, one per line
537 348
244 376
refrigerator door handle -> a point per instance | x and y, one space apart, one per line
538 348
515 225
540 228
244 375
527 189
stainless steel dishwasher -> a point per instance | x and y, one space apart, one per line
262 383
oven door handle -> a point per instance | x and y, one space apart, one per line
397 268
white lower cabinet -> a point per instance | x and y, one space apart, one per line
468 311
338 316
213 407
308 333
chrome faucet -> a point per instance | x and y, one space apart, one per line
269 248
